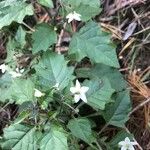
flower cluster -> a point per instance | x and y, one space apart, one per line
78 91
14 74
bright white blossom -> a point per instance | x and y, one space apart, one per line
73 16
22 70
56 86
38 93
127 144
15 74
19 70
3 68
79 92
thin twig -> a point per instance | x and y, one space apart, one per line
80 105
60 38
139 106
99 147
2 109
105 126
74 109
93 146
145 29
28 26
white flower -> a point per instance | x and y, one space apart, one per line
19 70
79 92
56 86
15 74
3 67
127 144
38 93
73 16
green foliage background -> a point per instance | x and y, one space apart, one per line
54 122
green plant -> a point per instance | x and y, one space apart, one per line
48 116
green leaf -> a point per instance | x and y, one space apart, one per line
19 137
13 10
20 37
117 113
54 140
18 90
52 69
86 8
11 45
5 80
22 90
99 93
99 71
92 42
5 83
21 117
47 3
81 128
43 37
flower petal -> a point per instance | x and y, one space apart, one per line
69 16
122 143
76 98
76 14
77 18
83 97
127 140
131 147
22 70
73 16
38 93
15 74
56 86
73 90
70 19
84 89
17 69
78 86
123 148
3 68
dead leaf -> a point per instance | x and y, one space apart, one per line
130 30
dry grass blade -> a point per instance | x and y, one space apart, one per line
137 85
119 4
140 115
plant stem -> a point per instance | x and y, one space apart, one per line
139 106
28 26
70 107
80 105
106 125
94 148
93 115
99 147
